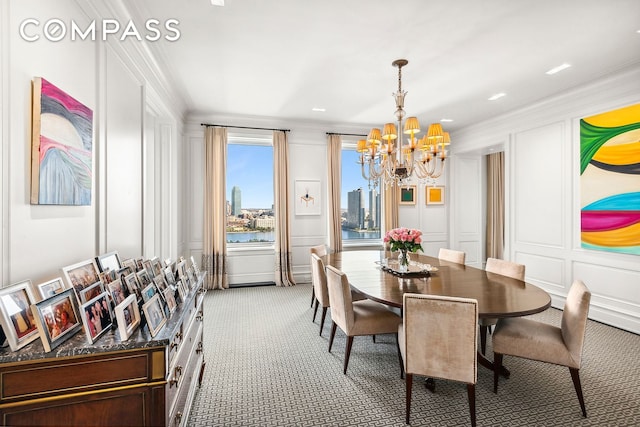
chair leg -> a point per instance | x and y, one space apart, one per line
315 311
313 295
575 376
497 365
324 314
483 338
400 357
333 334
347 353
408 386
374 338
471 393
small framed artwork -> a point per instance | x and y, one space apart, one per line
96 317
117 291
131 281
149 291
110 260
57 318
128 316
154 313
91 292
435 195
50 288
170 299
307 197
407 195
16 316
82 274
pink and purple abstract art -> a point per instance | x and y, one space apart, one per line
62 146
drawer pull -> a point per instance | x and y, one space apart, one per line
199 316
177 373
179 336
199 348
174 345
178 418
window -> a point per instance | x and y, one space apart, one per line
250 218
360 205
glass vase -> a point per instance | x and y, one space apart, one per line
403 261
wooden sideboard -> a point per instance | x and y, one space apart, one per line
142 381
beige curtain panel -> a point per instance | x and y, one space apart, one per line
283 273
334 152
391 212
495 205
214 250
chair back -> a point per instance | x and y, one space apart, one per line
319 280
452 255
506 268
320 250
574 319
440 336
340 299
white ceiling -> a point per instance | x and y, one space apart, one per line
281 58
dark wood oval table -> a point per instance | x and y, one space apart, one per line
498 296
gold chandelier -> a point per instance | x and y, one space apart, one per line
395 161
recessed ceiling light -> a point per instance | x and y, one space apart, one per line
319 109
446 120
497 96
558 68
217 2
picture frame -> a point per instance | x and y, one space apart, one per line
131 263
157 266
170 299
434 195
57 318
131 281
196 267
154 314
82 274
117 291
149 268
183 288
169 276
308 199
160 283
407 195
143 278
109 260
127 316
91 292
182 269
149 291
96 317
16 317
49 288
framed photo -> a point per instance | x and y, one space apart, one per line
407 195
131 281
16 317
143 278
154 313
434 195
157 266
131 263
50 288
57 318
170 299
82 274
110 260
149 268
308 199
149 291
169 277
182 269
183 288
195 266
96 317
117 290
90 292
160 283
128 316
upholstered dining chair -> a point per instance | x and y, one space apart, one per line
447 351
320 250
540 341
364 317
452 255
505 268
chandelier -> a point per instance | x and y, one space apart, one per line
386 156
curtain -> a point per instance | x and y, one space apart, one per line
391 213
495 205
283 274
214 249
334 145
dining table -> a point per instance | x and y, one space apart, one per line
376 275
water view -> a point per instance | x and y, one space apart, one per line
270 236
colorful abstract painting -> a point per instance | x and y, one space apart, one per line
610 181
62 146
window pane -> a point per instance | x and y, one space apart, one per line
360 206
250 193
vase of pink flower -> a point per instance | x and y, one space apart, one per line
404 240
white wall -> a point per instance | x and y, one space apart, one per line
119 83
543 210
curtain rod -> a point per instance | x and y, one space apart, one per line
344 134
243 127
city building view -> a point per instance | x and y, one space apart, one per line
250 225
361 219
